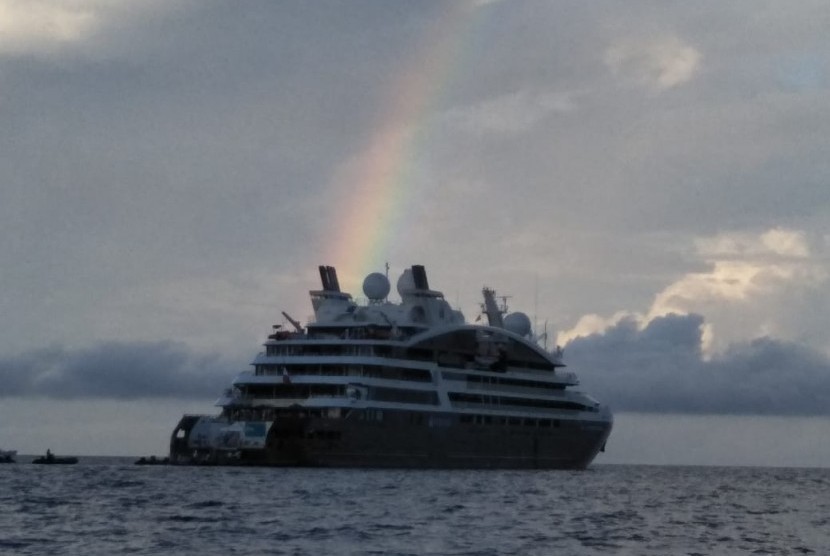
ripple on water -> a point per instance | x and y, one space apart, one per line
118 509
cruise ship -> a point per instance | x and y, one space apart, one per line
405 384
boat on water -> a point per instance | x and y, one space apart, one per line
52 459
152 460
400 384
7 456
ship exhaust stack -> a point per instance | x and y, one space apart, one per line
328 276
419 275
335 284
324 277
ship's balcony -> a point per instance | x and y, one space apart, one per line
567 377
512 389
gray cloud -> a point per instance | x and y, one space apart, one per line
661 368
115 370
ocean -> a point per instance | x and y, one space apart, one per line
110 506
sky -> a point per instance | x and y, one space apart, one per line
648 181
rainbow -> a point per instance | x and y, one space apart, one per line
380 178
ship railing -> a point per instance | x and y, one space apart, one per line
281 403
369 371
515 389
567 377
512 408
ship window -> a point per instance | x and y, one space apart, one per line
404 396
478 379
293 391
465 398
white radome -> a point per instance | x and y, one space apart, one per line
518 323
406 283
376 286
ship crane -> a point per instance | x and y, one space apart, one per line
297 326
492 310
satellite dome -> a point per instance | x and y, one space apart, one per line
376 286
406 282
518 323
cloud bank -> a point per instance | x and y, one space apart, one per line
115 370
721 340
662 368
771 283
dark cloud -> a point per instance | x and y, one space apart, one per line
661 368
115 370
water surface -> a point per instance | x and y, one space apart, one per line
108 505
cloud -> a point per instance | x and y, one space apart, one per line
754 282
660 64
47 26
511 113
661 368
790 243
776 242
115 370
744 336
37 24
753 286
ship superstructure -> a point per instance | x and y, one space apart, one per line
400 384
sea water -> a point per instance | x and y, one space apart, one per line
109 506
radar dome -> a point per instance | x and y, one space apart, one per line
376 286
518 323
406 283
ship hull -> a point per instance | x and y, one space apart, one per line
411 440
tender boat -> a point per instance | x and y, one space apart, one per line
152 460
52 459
